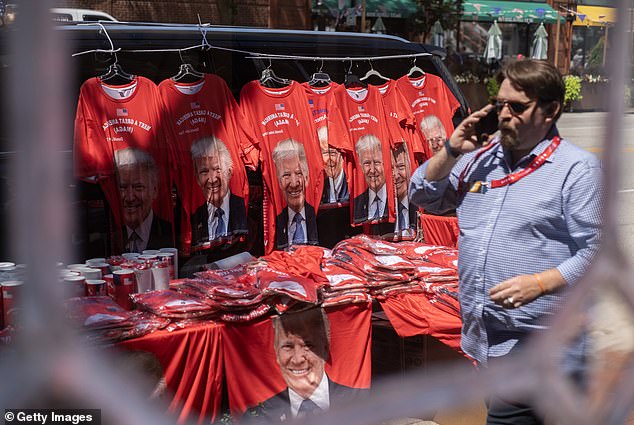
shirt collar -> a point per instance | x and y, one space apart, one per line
338 182
143 230
321 396
292 214
500 152
224 206
382 194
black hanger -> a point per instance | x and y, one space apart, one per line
374 73
115 74
414 69
352 80
270 80
320 78
187 73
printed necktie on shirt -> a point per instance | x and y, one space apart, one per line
221 228
298 236
377 211
133 242
402 216
307 408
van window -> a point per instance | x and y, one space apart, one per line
62 17
95 18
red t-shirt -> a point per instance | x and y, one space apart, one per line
332 144
198 111
403 125
402 122
362 112
277 115
110 119
429 95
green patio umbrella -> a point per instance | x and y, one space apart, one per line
539 50
493 50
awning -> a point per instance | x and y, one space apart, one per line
373 8
509 11
595 16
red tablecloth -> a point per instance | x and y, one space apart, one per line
440 230
192 361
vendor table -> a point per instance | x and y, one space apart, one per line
192 360
196 359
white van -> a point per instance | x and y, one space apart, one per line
64 15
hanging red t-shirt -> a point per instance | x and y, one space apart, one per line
113 118
429 95
332 143
198 111
362 112
402 127
283 123
401 120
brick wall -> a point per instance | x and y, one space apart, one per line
289 14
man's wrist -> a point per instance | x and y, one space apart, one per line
451 152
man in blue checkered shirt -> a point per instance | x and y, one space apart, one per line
528 206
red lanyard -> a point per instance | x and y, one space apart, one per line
537 162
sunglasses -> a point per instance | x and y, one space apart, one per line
515 107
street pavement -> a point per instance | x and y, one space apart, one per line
587 130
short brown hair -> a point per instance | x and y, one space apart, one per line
539 79
310 325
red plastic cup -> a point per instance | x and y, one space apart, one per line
95 287
124 282
10 300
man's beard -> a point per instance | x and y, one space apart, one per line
508 137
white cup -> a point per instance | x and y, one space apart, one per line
160 278
175 252
95 261
90 273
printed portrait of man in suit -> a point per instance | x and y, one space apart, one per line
223 214
297 223
302 347
137 179
372 203
335 184
402 171
434 132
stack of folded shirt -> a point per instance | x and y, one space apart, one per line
233 293
388 268
343 286
287 292
173 305
106 322
242 294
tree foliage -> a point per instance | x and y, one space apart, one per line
447 12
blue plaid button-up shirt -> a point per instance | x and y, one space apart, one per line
550 218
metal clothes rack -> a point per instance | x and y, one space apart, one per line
249 55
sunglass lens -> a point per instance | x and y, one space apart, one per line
517 107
